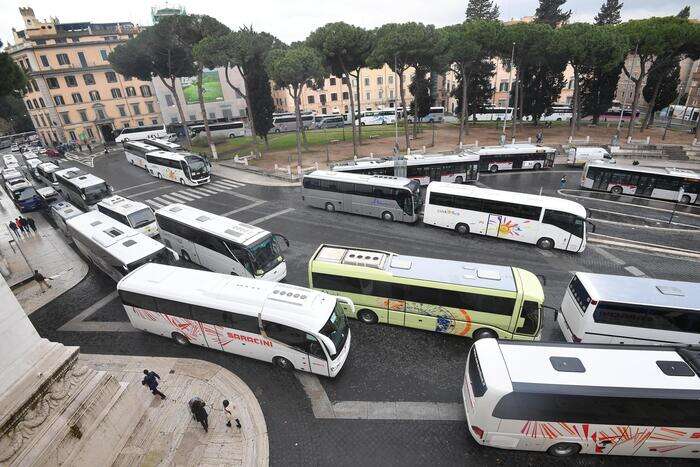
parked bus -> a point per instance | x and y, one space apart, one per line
388 198
220 130
377 117
560 113
669 184
545 221
135 152
489 114
61 211
515 156
141 132
114 247
181 167
566 399
291 327
164 145
457 168
608 309
221 244
453 297
46 173
683 112
435 114
82 189
289 123
131 213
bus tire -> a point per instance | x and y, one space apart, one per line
545 243
362 123
160 177
462 229
179 338
283 363
387 216
537 166
564 449
459 180
182 181
277 130
493 169
330 207
685 199
484 334
367 316
616 190
185 256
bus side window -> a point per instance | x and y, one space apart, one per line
314 347
286 335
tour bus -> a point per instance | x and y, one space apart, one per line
32 165
669 184
10 161
291 327
515 156
599 399
82 189
61 211
388 198
329 121
135 152
608 309
560 113
181 167
46 173
134 214
377 117
545 221
114 247
457 168
221 244
489 114
435 114
289 123
220 130
141 132
453 297
683 112
163 145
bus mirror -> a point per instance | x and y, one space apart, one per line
592 226
328 343
176 257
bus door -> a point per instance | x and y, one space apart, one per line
645 185
518 162
602 179
493 225
435 172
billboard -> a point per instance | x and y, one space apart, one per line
211 85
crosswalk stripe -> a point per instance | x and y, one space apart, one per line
219 188
207 190
162 201
227 182
193 193
156 204
181 195
172 199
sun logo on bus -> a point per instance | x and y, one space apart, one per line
508 228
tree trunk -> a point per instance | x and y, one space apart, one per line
416 112
297 112
203 109
359 108
246 96
515 103
267 143
635 100
649 117
171 87
405 113
464 114
574 109
352 109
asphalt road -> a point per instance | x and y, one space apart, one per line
385 363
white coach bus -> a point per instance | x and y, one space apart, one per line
515 156
115 248
608 309
221 244
584 398
220 130
291 327
181 167
141 132
541 220
82 189
132 213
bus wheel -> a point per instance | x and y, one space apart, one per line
283 363
564 449
459 180
160 177
484 334
185 256
545 243
367 316
387 216
462 229
330 207
685 199
277 130
180 339
182 181
493 169
537 166
616 190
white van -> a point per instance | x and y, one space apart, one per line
61 211
608 309
579 156
131 213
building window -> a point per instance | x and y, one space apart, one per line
169 100
212 116
366 81
346 96
122 111
324 110
192 118
89 79
72 136
380 80
116 93
44 60
34 85
173 120
90 133
41 101
346 109
111 76
81 57
503 87
29 104
36 104
146 90
241 112
62 59
43 122
52 83
149 106
154 121
391 94
334 96
126 124
310 99
77 98
103 54
59 100
390 79
332 81
100 114
83 115
71 82
65 118
140 122
94 96
381 94
130 91
368 96
322 99
502 102
137 109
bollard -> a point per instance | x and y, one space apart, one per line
571 139
529 139
276 168
476 143
408 151
460 145
423 149
648 140
316 164
588 138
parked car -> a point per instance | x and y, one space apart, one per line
53 152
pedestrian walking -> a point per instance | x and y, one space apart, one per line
32 224
151 380
21 228
540 136
25 224
229 415
562 182
41 280
89 148
199 412
13 227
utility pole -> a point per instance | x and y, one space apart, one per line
510 81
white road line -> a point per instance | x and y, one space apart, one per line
634 271
162 201
206 190
181 195
192 193
230 182
605 253
623 203
274 214
172 199
154 203
86 313
257 203
219 189
133 195
546 253
135 186
226 184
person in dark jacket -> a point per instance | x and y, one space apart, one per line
31 224
199 412
13 227
151 380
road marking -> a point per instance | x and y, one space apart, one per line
274 214
162 201
155 203
133 195
193 193
257 203
206 190
135 186
603 252
622 202
77 321
227 184
650 247
322 407
658 221
546 253
170 198
634 271
181 196
219 189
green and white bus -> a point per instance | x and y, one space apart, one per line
454 297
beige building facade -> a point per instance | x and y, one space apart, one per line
73 93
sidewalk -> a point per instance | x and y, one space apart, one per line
46 250
222 169
166 433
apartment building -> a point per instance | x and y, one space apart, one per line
73 93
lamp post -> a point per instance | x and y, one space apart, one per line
510 84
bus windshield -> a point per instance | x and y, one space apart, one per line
197 166
95 193
336 328
141 218
266 254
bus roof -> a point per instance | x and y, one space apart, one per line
671 171
175 156
141 144
162 144
518 148
229 229
411 160
65 210
606 368
48 167
547 202
486 276
122 205
286 304
79 178
122 242
382 180
641 290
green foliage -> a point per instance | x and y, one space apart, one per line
342 46
296 66
261 101
587 44
14 113
480 91
420 89
668 82
409 43
549 12
13 80
609 13
482 10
